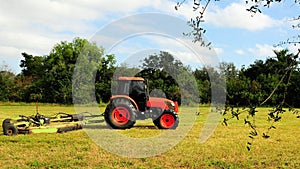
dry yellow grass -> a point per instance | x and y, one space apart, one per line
226 148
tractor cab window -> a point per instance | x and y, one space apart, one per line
126 87
137 87
138 94
123 87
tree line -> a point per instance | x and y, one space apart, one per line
49 78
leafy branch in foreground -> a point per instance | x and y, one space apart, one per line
255 6
248 120
199 6
274 115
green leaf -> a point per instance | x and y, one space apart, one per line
253 133
225 122
265 136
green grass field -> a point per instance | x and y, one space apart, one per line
226 148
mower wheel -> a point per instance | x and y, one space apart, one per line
10 130
120 114
167 120
4 124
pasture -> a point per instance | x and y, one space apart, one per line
226 148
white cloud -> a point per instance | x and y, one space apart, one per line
65 15
264 50
294 48
236 16
219 51
206 57
8 51
184 50
240 52
35 26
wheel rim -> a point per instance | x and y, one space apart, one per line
167 121
9 132
120 115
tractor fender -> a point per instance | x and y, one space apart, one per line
125 97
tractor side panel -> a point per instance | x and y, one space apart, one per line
158 103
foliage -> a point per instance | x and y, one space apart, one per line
49 78
275 75
104 77
6 81
159 70
269 83
84 74
169 75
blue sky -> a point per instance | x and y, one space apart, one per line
35 26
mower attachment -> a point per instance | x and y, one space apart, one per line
59 123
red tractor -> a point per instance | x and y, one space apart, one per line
131 102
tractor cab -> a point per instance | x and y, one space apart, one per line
135 88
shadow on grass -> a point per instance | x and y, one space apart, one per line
103 126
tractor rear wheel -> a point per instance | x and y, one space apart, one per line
167 120
120 115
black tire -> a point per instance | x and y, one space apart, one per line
167 120
4 124
10 130
120 114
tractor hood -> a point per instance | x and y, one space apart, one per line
162 103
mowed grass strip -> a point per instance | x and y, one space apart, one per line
226 148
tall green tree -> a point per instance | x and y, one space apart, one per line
59 67
159 70
169 75
271 76
29 84
204 84
6 85
49 78
104 78
84 77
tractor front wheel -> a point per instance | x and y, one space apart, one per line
120 115
167 120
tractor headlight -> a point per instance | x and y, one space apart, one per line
172 104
